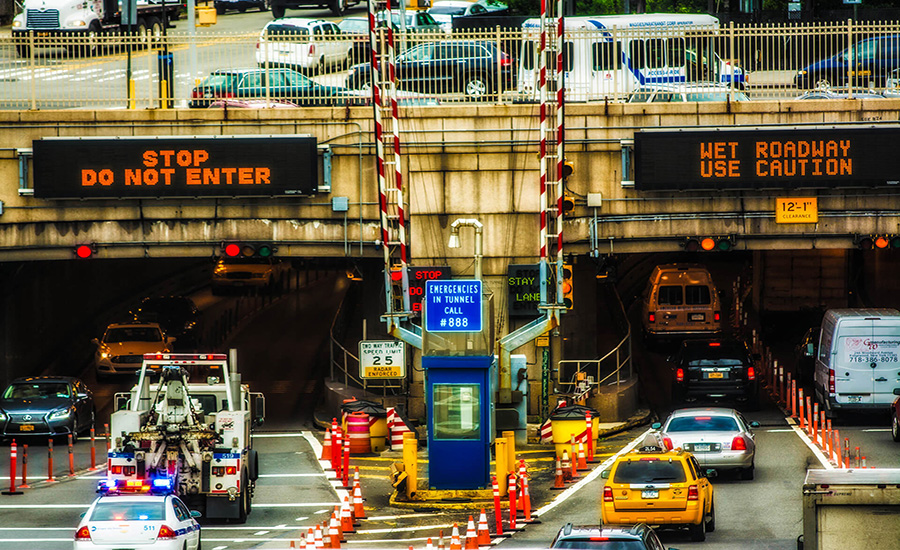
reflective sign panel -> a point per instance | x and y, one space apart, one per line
166 167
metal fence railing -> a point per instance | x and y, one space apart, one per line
493 66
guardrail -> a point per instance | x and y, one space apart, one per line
109 71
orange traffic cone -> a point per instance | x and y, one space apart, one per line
326 446
347 517
337 516
334 534
291 545
358 511
455 544
566 466
471 535
559 483
582 460
318 537
310 538
441 540
526 500
484 533
429 545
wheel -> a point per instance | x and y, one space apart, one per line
895 427
338 7
23 50
265 5
711 522
220 9
698 532
140 33
242 9
748 473
245 500
476 87
277 11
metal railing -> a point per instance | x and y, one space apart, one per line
493 66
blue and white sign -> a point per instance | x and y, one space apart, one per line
453 306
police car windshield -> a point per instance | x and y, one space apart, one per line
117 510
609 544
649 471
702 424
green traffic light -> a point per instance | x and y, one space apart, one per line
724 245
264 251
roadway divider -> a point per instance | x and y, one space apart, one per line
13 451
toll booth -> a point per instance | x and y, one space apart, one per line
458 398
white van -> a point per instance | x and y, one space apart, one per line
858 365
609 56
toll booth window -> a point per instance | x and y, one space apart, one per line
696 295
670 296
457 411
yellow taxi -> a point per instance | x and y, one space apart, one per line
659 487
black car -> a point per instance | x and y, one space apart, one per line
240 5
47 406
607 537
720 368
178 316
469 67
806 352
282 84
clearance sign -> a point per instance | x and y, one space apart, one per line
168 167
766 158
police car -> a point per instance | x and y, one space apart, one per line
138 514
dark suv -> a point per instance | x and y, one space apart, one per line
469 67
720 368
607 537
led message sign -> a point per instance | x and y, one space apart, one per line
168 167
766 158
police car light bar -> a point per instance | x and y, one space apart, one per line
185 358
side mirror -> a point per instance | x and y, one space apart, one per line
656 425
754 424
896 391
810 349
196 514
604 474
81 395
711 473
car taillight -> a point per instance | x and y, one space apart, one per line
751 373
196 93
679 374
257 44
115 470
830 380
607 494
716 316
738 444
230 470
505 61
83 534
165 533
312 50
667 441
693 493
129 471
651 317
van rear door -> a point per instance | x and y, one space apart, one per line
867 362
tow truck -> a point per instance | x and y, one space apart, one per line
194 436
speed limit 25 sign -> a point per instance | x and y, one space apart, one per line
382 359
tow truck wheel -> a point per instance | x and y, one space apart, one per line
244 506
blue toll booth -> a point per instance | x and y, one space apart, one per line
458 397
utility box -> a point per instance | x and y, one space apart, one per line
842 508
206 16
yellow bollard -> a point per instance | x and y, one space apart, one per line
132 102
411 462
501 462
512 463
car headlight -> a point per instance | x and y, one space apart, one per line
78 23
2 416
60 414
16 24
801 73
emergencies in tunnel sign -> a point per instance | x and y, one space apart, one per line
453 306
383 360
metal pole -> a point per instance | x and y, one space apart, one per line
192 34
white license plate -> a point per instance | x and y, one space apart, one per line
650 493
701 447
696 317
854 398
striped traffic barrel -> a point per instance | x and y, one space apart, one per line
358 433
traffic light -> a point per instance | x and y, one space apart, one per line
397 288
248 250
568 286
85 251
568 204
566 170
709 244
877 242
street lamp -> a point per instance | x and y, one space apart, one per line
454 240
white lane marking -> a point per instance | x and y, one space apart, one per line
266 436
388 541
301 518
37 529
331 505
219 548
293 475
402 529
403 516
41 506
317 451
590 477
876 430
779 430
260 533
281 526
823 460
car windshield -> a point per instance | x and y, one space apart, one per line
37 391
217 80
113 510
132 334
354 25
651 470
716 96
447 10
286 30
606 544
702 424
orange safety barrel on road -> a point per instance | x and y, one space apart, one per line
358 433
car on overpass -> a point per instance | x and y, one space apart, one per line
272 84
687 92
303 44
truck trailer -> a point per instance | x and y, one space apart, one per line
851 508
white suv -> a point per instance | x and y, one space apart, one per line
303 44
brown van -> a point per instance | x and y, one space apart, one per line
681 301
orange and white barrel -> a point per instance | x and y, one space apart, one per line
358 433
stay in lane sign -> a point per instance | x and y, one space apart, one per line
453 306
382 359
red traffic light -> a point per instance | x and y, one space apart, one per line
882 242
232 250
84 251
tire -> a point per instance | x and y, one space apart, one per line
698 532
895 427
338 7
253 465
242 9
220 9
140 34
23 50
244 509
711 523
747 474
93 47
265 5
476 87
277 12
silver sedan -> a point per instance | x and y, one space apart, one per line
719 438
